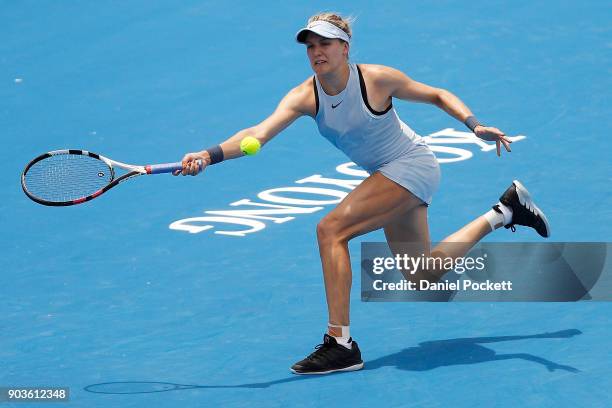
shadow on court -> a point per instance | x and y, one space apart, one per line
439 353
427 356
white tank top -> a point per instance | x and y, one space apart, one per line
368 138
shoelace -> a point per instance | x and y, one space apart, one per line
321 351
531 210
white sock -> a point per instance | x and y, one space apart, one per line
345 339
497 220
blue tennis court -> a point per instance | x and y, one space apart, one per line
160 293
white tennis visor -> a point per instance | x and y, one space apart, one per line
324 29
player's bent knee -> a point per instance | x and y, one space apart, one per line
326 230
330 229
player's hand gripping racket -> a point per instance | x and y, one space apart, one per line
68 177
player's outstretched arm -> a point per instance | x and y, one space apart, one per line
298 102
399 85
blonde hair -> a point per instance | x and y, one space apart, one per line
343 23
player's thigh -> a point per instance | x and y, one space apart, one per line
370 206
408 233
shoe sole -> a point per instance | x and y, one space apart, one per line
351 368
525 199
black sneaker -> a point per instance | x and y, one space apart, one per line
330 357
524 210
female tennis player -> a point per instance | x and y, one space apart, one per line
352 105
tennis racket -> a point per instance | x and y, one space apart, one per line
69 177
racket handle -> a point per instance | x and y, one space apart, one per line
166 167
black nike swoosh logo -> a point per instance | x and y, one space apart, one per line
335 106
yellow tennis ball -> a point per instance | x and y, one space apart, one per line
249 145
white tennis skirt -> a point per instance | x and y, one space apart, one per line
417 171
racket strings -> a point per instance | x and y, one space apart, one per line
67 177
